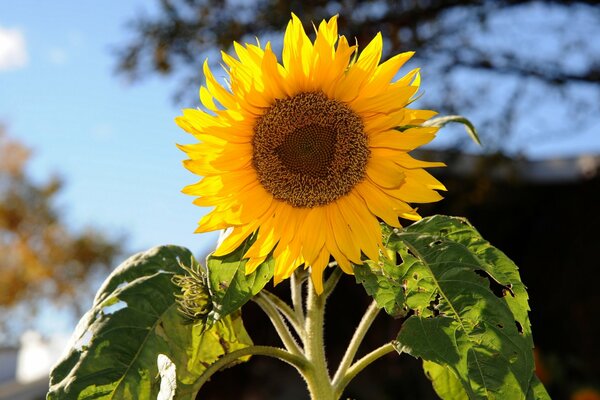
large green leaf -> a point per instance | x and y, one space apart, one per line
537 391
134 335
468 309
445 382
230 286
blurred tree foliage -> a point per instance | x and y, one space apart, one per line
41 258
506 64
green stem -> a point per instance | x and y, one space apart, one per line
280 326
296 283
360 365
357 338
286 311
316 375
295 361
332 281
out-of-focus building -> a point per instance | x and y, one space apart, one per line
24 370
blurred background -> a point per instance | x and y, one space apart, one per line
89 171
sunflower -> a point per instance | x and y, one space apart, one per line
305 154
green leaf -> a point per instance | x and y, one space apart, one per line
230 287
121 346
383 281
468 304
537 391
469 127
444 381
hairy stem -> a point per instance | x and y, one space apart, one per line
278 322
287 312
357 338
316 375
360 365
296 284
295 361
332 281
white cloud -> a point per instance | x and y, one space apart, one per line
13 50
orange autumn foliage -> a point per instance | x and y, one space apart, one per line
41 257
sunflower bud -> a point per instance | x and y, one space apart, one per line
194 300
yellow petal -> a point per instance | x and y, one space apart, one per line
386 71
365 235
385 173
343 237
254 263
317 268
385 103
379 204
312 234
335 251
407 140
235 237
402 159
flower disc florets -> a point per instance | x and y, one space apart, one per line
309 150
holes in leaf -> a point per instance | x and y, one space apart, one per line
399 259
500 326
435 243
416 276
409 251
409 314
519 327
434 305
496 287
84 341
114 307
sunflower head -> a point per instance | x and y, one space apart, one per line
306 152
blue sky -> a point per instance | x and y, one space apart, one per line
114 143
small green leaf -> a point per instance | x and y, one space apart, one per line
383 281
469 127
469 308
117 345
230 287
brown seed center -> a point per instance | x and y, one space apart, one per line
309 150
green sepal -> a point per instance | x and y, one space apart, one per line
469 127
134 335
